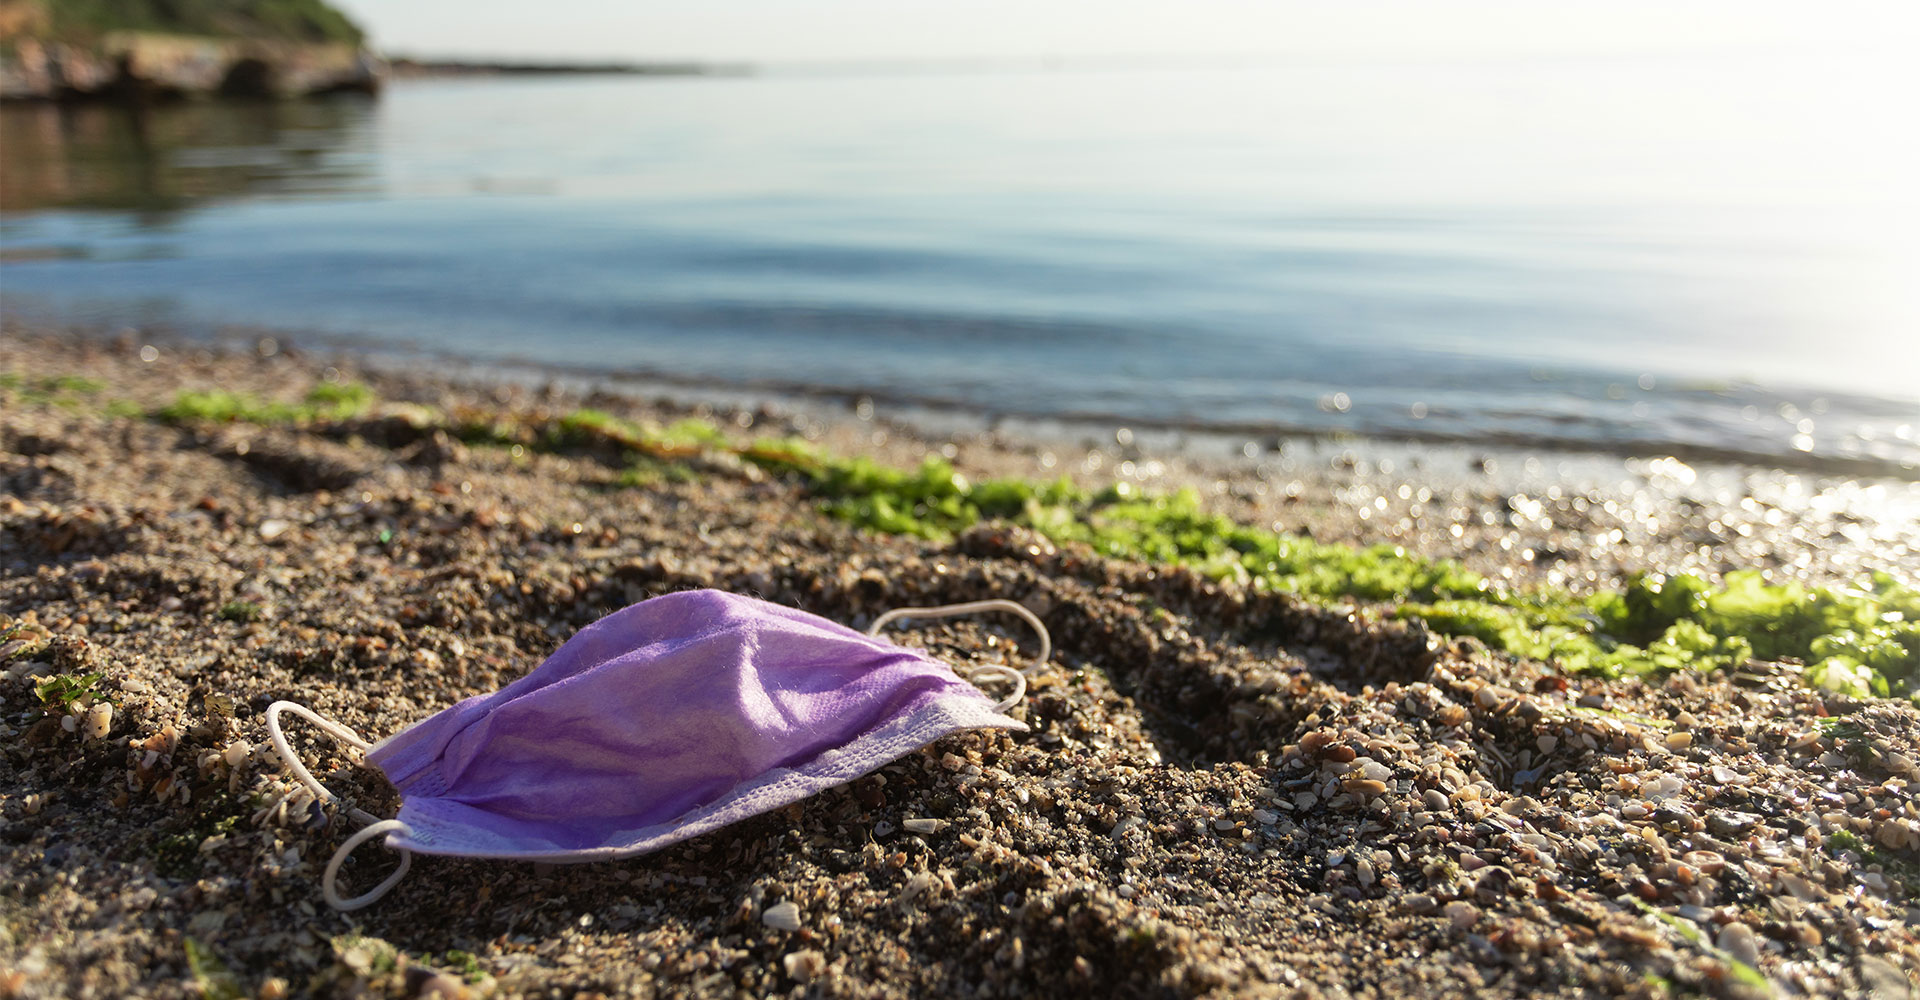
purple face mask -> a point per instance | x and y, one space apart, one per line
660 722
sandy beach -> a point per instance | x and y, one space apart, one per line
1224 791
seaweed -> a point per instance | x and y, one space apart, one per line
1861 641
327 402
210 974
241 611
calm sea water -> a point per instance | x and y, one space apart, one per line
1686 255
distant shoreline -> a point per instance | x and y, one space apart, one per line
407 67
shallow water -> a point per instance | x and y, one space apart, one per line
1644 255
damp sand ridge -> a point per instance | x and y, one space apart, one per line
1224 791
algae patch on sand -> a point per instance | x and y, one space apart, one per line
1863 640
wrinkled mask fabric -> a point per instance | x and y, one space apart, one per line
660 722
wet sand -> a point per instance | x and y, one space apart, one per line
1220 793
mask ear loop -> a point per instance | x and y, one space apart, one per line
1018 677
372 826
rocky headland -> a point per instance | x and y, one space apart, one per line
143 52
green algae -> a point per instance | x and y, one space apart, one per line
68 392
339 400
58 693
645 470
211 976
1737 970
589 428
241 611
1892 865
1862 641
221 406
327 402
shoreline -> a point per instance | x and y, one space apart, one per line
934 415
1562 506
1231 437
1221 793
1226 436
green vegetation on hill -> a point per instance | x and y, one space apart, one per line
281 20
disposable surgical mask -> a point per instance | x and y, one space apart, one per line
660 722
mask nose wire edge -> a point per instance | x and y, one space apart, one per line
1019 677
372 826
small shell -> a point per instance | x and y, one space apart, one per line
785 916
99 720
804 966
922 825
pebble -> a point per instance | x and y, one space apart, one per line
784 916
1708 862
99 721
1737 940
443 986
1898 833
804 966
1462 914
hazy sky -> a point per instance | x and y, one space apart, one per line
782 30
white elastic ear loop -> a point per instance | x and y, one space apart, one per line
287 756
373 826
331 890
1018 677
